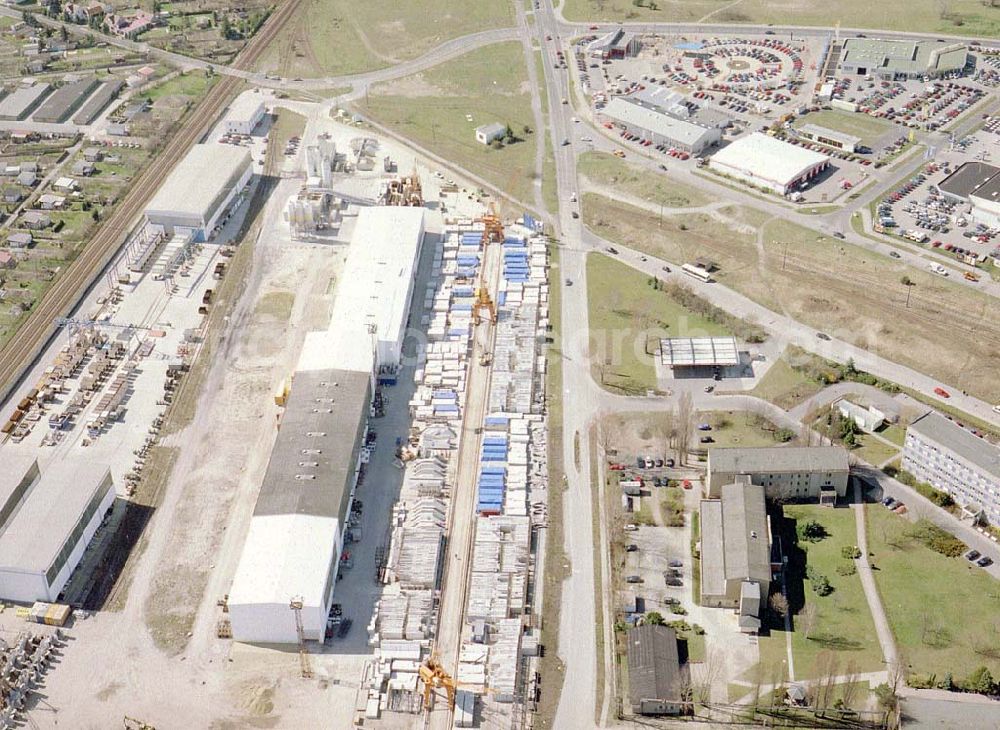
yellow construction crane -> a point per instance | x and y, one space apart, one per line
296 606
483 301
434 676
492 227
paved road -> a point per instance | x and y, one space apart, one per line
577 645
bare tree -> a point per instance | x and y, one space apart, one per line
826 672
685 424
711 671
812 415
668 427
605 434
851 687
806 619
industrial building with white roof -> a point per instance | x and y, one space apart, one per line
297 531
193 198
377 281
244 114
660 128
768 163
47 519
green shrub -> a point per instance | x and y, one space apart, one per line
812 531
850 552
847 569
936 539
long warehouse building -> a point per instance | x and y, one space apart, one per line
661 128
296 535
377 281
47 519
200 189
768 163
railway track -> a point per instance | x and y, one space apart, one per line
69 289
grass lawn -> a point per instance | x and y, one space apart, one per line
961 17
857 294
625 311
737 428
944 613
785 386
334 37
867 127
609 171
895 433
191 83
842 622
727 236
873 450
434 109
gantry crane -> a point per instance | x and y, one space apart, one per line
296 606
483 301
434 676
492 227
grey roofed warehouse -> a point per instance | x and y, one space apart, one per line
195 194
46 520
654 671
660 127
894 59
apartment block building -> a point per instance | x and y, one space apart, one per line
787 473
956 461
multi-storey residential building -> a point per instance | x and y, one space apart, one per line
953 459
786 472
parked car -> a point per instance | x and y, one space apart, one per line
895 254
675 563
942 392
889 502
670 462
633 579
707 440
704 427
631 548
984 562
973 555
649 463
838 234
630 527
640 462
823 336
674 582
659 463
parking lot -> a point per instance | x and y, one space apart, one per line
916 210
917 104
